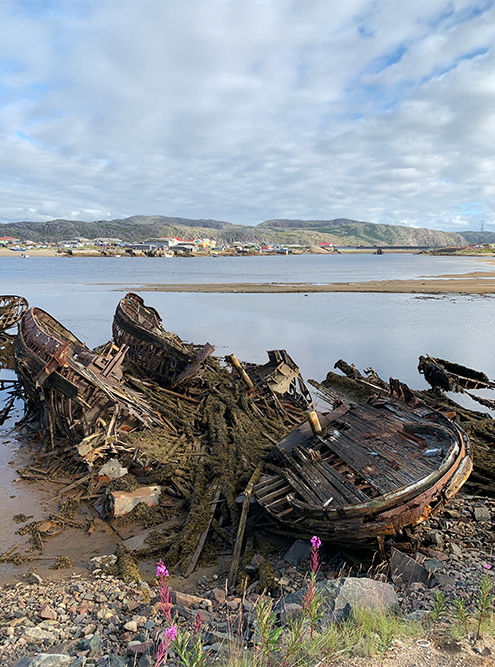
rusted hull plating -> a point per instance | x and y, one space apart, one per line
12 308
78 393
376 469
161 354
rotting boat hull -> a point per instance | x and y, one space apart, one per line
12 308
78 393
161 354
374 470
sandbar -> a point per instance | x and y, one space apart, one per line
476 283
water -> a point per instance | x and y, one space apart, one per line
386 331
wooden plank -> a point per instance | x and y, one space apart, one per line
195 557
347 489
242 526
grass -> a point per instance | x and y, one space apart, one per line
313 639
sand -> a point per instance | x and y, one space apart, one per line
472 283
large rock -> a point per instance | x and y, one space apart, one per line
46 660
37 636
340 597
404 569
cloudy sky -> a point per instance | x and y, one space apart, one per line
247 110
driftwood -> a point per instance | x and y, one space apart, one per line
242 526
201 542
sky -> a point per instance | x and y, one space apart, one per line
249 110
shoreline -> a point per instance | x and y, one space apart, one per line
482 283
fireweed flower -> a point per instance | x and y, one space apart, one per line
487 566
170 634
315 542
161 570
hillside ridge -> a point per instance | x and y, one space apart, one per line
340 231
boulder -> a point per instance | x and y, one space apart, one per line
46 660
299 550
340 597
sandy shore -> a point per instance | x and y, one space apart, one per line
41 252
472 283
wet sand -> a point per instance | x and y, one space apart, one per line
478 282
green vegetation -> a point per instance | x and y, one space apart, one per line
285 232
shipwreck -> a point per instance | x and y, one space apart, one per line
161 354
374 468
12 308
79 394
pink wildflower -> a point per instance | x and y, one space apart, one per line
170 634
487 566
315 542
161 570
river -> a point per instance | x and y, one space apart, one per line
385 331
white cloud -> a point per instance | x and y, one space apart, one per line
245 110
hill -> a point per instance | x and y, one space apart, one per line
340 231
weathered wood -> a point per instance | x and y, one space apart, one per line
242 527
193 561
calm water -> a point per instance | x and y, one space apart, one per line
386 331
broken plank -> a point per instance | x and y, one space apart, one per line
195 557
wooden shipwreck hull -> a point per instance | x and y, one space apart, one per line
161 354
376 468
78 393
12 308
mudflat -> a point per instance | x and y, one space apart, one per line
478 282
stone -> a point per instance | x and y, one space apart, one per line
185 599
145 661
104 563
482 514
455 549
91 644
217 595
111 661
257 560
404 569
79 662
435 538
182 611
111 470
47 660
433 565
139 648
341 597
122 502
37 636
34 579
48 613
131 626
299 550
290 611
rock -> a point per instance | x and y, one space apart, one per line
217 595
185 599
247 605
46 660
341 596
299 550
182 611
111 661
79 662
34 579
104 563
140 648
290 611
131 626
91 644
455 549
258 560
37 636
404 569
48 613
145 661
433 565
250 570
482 514
434 537
111 470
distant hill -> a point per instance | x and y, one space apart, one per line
479 237
340 231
